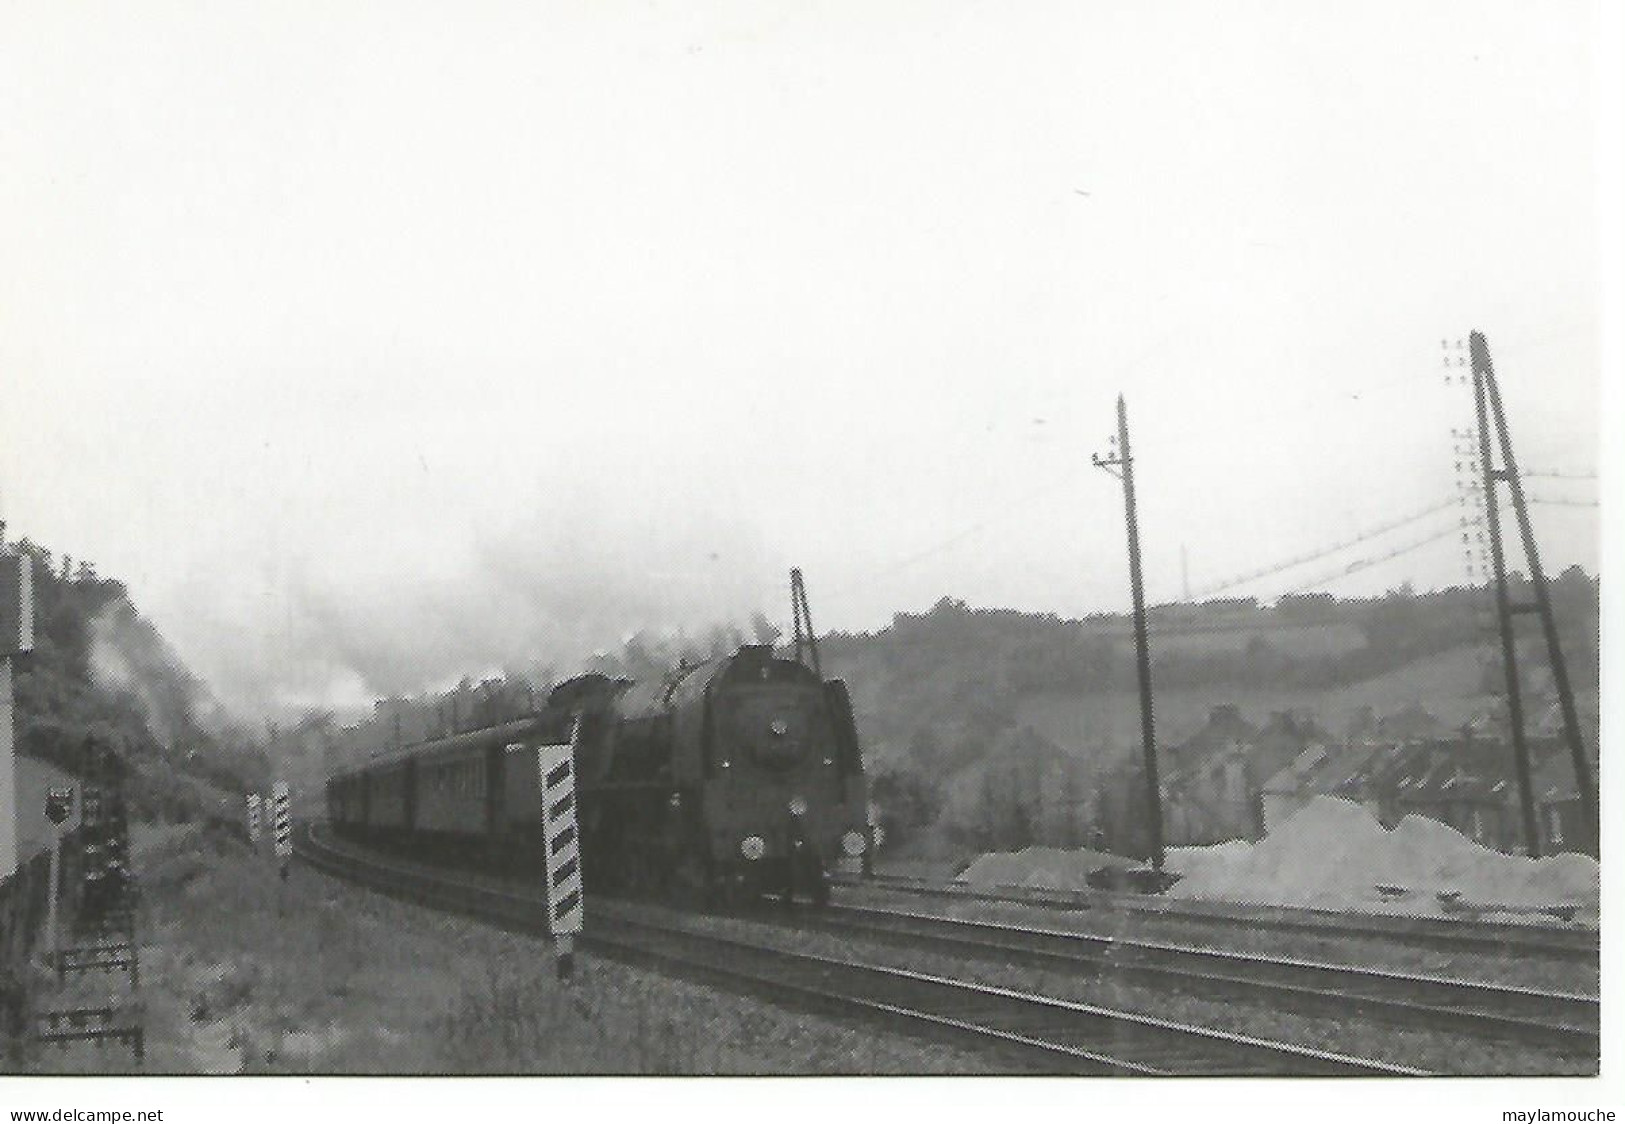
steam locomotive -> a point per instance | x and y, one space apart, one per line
731 779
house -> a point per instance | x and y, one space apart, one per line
1321 769
1214 786
1558 809
1206 782
1466 781
1282 740
1410 723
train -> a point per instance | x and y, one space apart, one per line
729 780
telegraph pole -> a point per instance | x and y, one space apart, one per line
1487 393
1142 647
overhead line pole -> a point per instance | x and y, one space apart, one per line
1486 387
802 611
1142 645
1503 604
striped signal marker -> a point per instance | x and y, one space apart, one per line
281 827
561 844
254 818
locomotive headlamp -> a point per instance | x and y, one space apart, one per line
798 805
853 843
753 847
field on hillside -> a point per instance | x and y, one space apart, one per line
1446 685
1309 639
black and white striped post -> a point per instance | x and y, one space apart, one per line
561 845
254 820
281 827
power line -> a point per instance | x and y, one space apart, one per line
1366 563
1541 474
1544 501
952 540
1322 552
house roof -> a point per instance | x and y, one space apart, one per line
1422 771
1553 776
1321 769
1412 721
1224 729
1283 738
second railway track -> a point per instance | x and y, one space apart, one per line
1564 1022
1570 942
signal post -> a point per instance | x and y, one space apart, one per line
58 807
281 828
561 847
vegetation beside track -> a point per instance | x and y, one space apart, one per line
243 973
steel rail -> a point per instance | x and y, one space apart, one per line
1038 1033
1557 942
1565 1022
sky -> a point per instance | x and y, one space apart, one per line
377 344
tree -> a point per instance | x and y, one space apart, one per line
910 802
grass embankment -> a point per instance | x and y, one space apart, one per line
244 973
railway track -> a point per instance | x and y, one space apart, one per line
1033 1033
1563 1022
1550 941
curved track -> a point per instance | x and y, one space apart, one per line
1033 1033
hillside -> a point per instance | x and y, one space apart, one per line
99 669
996 729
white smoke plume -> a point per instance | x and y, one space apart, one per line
538 599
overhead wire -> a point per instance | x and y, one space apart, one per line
1366 563
952 540
1542 474
1322 552
1309 396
